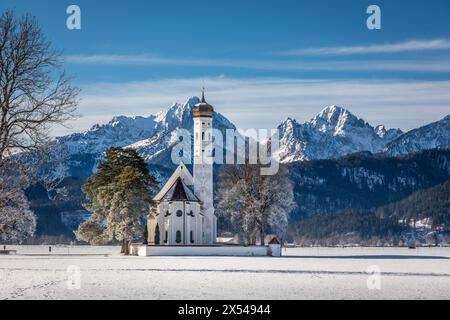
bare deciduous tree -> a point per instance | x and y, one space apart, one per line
34 91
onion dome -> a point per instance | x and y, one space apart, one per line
203 109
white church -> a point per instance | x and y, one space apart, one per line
184 214
184 222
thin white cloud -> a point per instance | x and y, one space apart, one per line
407 46
264 103
271 65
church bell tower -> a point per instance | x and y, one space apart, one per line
203 166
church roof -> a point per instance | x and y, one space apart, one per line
179 192
274 241
183 174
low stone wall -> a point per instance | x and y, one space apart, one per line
250 251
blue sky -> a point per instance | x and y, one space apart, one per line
261 61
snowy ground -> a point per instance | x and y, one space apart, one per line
303 273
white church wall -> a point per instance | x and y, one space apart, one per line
176 223
163 222
250 251
173 223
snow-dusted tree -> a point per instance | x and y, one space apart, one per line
276 203
119 199
234 206
17 221
254 202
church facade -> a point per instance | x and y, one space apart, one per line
184 214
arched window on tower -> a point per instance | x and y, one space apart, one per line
203 136
178 236
192 236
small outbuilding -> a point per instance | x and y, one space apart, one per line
275 247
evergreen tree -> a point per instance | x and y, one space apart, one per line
119 198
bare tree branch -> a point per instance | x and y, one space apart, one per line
34 91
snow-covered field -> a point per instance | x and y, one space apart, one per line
302 273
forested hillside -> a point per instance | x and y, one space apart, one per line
386 224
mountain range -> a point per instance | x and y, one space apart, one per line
334 132
333 135
153 137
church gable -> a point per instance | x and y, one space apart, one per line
181 173
179 192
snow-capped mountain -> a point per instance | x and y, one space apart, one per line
435 135
157 148
332 133
387 134
122 131
152 136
